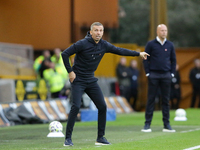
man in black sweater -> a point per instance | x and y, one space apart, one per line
159 68
89 52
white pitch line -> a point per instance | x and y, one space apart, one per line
191 148
190 130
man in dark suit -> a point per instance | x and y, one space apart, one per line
159 68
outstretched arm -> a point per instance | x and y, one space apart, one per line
125 52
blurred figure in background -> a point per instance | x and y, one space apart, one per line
37 66
56 78
175 94
195 81
44 65
123 76
56 58
59 65
134 74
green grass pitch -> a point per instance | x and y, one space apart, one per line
124 134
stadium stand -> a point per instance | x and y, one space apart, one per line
38 111
16 59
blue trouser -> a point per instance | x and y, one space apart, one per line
92 89
155 81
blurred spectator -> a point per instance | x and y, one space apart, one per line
56 80
195 80
59 65
175 94
123 76
44 65
56 58
134 74
38 61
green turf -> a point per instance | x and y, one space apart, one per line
124 134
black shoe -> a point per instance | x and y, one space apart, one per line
102 141
168 128
146 128
68 142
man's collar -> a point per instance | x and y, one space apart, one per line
157 38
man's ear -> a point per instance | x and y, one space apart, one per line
90 32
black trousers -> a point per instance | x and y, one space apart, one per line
163 81
125 91
175 98
92 89
133 94
195 95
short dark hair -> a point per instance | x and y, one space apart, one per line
95 24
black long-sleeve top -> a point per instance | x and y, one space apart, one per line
162 57
89 55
